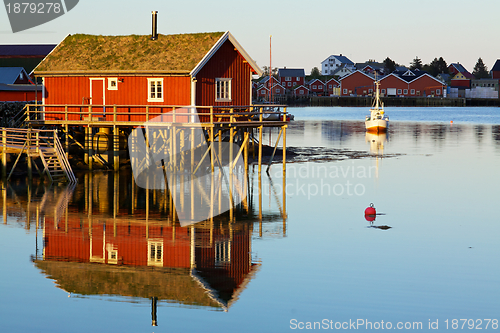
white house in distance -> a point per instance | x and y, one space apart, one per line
330 64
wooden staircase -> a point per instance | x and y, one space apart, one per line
39 143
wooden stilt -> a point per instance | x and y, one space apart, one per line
116 148
4 154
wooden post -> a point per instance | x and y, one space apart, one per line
30 166
4 154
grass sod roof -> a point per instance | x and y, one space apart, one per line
170 53
143 282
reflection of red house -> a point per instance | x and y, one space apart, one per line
204 69
214 264
357 83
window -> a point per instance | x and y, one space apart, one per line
405 91
298 78
412 91
289 84
314 86
222 253
330 86
288 78
301 92
155 253
278 90
438 91
262 92
223 90
344 91
112 83
155 90
399 91
113 257
382 91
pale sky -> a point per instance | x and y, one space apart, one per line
304 33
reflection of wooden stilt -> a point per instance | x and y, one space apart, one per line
260 205
154 303
4 206
231 163
116 148
261 129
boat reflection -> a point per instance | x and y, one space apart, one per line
376 141
107 237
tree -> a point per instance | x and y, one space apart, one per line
315 73
416 64
389 65
480 70
437 66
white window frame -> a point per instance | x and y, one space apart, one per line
405 91
400 91
112 83
314 87
223 89
412 92
344 91
382 91
438 91
222 253
301 92
288 78
157 94
153 258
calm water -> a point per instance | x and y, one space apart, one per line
105 257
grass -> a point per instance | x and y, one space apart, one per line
91 52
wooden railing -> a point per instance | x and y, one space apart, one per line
77 113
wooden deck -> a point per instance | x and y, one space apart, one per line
232 121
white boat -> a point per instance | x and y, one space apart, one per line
377 121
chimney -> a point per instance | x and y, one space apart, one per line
154 33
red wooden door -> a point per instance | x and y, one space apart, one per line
97 96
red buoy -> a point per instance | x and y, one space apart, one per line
370 210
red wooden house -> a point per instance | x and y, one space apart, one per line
461 78
291 77
202 69
301 91
495 70
262 92
16 86
317 87
332 86
357 84
393 85
426 85
278 90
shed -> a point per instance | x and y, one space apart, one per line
202 69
